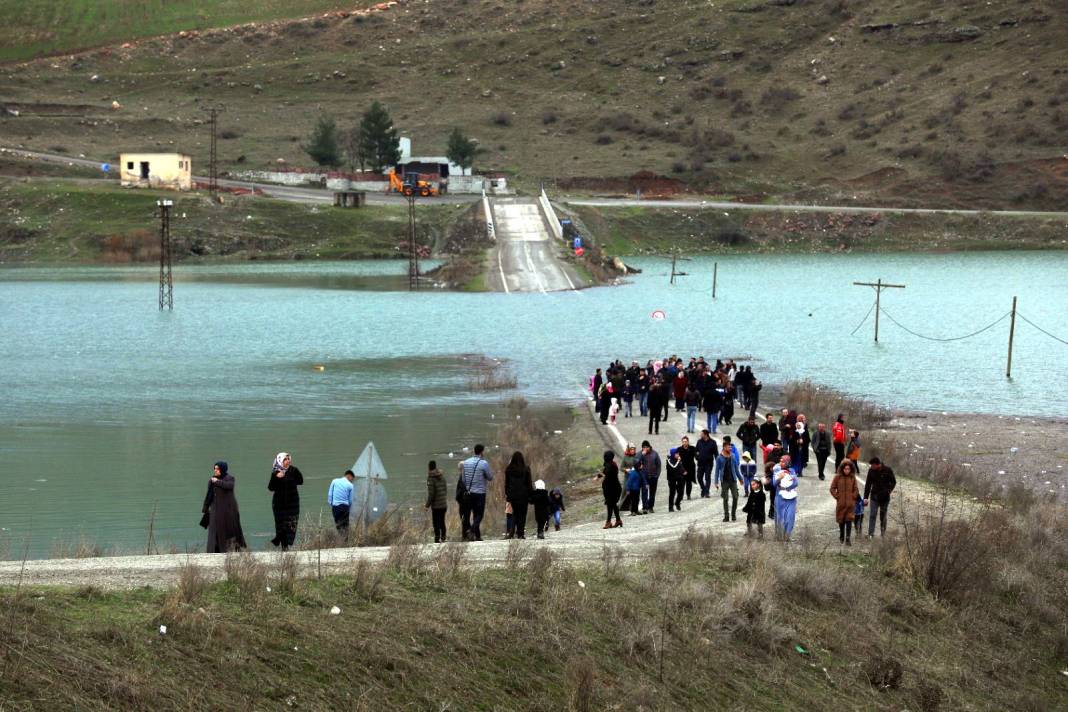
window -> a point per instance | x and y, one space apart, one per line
129 165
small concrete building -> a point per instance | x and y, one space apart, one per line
156 170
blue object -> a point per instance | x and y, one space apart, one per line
106 167
577 242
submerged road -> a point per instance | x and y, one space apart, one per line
525 257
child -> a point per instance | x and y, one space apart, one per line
556 505
628 399
613 411
633 490
509 521
540 500
858 513
754 509
676 477
748 468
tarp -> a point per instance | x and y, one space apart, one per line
369 499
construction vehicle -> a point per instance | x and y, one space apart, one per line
415 184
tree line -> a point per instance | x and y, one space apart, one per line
374 145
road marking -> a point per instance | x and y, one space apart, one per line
500 266
530 265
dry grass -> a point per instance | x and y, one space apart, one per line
822 405
191 584
490 374
80 548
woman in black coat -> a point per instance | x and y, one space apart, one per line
518 488
223 517
612 489
285 478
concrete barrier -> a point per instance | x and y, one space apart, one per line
491 231
550 215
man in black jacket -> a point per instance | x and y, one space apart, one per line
769 431
749 433
821 444
877 489
688 455
706 460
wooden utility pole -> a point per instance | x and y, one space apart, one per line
674 259
878 286
715 271
1012 332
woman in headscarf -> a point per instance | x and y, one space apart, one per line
224 520
285 478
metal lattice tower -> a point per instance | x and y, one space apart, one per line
413 248
213 167
166 281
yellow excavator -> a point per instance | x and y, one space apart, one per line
414 184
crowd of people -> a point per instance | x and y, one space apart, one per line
783 443
760 464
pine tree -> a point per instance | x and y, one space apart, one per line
462 150
323 147
379 144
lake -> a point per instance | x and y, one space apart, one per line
113 408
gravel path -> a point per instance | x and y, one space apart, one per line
637 539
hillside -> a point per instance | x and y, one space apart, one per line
959 104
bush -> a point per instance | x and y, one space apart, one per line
823 404
603 140
549 117
501 118
776 98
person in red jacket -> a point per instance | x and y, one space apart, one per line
838 438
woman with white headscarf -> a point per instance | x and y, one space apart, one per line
285 478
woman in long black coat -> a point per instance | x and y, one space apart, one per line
612 489
285 478
518 487
224 519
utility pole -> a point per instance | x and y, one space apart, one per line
878 286
166 282
413 252
674 259
1012 333
715 274
213 160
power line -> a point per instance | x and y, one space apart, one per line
862 321
1055 338
951 338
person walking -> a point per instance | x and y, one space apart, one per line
785 499
693 402
556 506
540 500
285 504
769 431
728 477
844 489
339 499
633 491
518 488
748 433
713 404
706 461
650 468
475 475
754 509
853 450
676 475
643 393
748 468
611 489
838 438
223 518
878 487
821 445
437 499
688 456
656 401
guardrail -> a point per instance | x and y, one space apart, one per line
490 230
550 215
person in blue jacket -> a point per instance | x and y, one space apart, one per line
728 477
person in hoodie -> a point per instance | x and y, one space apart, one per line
633 491
437 499
628 399
540 500
556 506
748 468
728 477
754 509
676 476
706 461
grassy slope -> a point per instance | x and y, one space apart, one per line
78 221
433 636
556 89
52 26
629 231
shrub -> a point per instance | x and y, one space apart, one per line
824 404
776 98
501 118
549 117
191 584
603 140
245 571
228 134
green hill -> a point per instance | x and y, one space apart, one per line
954 104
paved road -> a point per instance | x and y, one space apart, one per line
525 257
315 196
780 207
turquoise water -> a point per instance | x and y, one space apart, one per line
112 407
